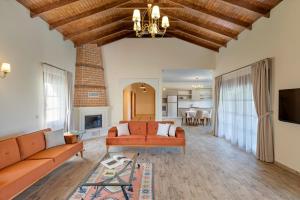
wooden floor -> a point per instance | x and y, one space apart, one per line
211 169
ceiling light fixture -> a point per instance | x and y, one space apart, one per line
143 86
152 26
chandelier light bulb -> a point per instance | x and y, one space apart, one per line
136 17
155 13
165 22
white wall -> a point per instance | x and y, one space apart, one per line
143 60
25 43
277 37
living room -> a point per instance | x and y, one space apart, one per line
91 55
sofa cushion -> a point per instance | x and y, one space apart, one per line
54 138
127 140
58 154
9 152
17 177
136 127
32 143
153 126
122 129
163 129
164 141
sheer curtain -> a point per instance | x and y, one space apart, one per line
237 118
56 97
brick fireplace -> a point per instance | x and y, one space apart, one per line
90 92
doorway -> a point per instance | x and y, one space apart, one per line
139 102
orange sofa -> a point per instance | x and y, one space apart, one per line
24 160
143 134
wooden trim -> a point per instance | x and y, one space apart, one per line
107 40
141 6
221 30
90 86
186 37
197 34
51 6
86 14
282 166
244 4
213 13
106 23
103 34
89 65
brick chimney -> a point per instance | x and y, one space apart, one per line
89 79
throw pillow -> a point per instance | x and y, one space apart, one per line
163 129
172 130
54 138
123 129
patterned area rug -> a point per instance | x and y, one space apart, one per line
142 186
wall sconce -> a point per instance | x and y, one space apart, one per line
5 69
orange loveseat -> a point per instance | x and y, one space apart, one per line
24 160
143 134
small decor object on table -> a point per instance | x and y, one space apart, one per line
129 180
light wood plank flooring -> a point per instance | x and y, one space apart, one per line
211 169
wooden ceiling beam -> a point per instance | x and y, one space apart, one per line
108 22
103 33
188 38
213 13
217 29
179 27
162 6
88 13
51 6
112 38
245 4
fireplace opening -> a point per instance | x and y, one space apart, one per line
93 121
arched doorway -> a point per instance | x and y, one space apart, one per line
139 102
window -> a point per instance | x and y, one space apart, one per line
237 114
56 97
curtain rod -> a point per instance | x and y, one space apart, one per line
242 67
44 63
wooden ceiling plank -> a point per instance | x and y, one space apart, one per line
244 4
213 13
198 43
197 34
144 6
203 25
87 13
103 33
109 22
108 40
51 6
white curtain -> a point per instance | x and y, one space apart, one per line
56 98
237 118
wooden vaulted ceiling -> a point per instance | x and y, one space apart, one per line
207 23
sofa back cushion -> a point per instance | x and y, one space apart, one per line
32 143
9 152
153 126
136 127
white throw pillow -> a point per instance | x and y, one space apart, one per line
123 129
163 129
54 138
172 130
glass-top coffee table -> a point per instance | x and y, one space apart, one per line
110 172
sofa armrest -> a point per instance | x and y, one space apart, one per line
179 132
112 132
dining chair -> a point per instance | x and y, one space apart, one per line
183 117
199 119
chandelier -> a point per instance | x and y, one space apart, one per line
152 26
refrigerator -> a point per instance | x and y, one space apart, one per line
172 106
